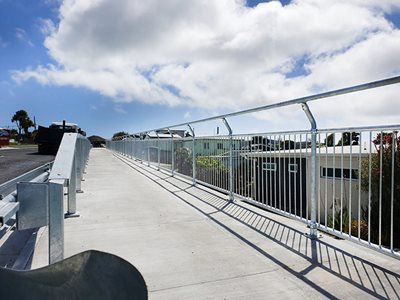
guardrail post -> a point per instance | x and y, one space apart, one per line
71 212
67 171
193 153
79 165
56 220
313 221
230 159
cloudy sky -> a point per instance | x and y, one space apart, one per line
133 65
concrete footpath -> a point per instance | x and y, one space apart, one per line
190 243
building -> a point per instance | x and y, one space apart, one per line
282 179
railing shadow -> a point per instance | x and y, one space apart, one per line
367 276
17 249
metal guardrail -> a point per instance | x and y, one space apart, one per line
8 191
42 203
342 180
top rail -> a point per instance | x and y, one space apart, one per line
62 168
301 100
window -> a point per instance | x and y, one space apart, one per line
206 145
269 166
337 173
220 146
292 168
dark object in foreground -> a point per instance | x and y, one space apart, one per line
49 139
87 275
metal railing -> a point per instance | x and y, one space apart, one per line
42 203
8 191
344 181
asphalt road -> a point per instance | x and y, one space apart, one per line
15 162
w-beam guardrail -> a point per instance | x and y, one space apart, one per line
344 181
39 196
9 205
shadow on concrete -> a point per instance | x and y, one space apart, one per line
17 248
357 271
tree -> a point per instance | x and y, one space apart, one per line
329 141
26 125
209 168
23 121
348 138
387 146
183 160
119 135
287 144
13 134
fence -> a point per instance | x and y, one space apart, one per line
343 181
41 203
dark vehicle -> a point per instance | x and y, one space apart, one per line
49 139
4 137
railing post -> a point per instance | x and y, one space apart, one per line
141 147
230 159
148 150
193 154
313 221
134 148
172 153
129 142
158 151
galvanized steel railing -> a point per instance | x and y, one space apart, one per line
9 205
343 181
42 203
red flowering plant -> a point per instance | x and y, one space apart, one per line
383 188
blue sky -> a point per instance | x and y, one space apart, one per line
92 111
38 63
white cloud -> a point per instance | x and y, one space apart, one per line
119 109
2 43
21 35
220 54
47 26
